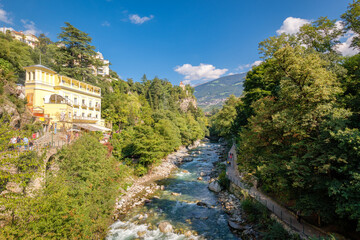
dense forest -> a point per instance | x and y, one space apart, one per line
150 119
297 123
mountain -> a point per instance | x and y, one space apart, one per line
214 93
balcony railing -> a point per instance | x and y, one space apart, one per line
91 107
81 88
83 106
76 105
97 108
84 119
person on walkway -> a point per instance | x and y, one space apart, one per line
12 143
26 142
298 216
18 142
31 145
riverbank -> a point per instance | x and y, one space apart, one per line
145 186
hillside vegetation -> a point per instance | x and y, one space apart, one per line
297 125
150 119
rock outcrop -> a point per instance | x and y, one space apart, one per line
214 186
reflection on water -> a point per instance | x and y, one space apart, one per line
179 205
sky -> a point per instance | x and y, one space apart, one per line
181 40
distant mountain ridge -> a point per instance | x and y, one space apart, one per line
214 93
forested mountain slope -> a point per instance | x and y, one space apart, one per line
213 94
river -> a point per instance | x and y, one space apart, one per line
177 204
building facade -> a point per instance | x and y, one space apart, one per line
62 102
104 70
27 38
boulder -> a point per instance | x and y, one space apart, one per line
165 227
201 204
188 233
235 225
141 233
214 186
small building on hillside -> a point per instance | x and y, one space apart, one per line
182 85
27 38
61 102
105 69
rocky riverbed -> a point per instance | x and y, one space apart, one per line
174 201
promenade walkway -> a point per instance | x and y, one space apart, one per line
305 230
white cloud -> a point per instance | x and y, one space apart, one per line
4 17
199 73
344 48
105 24
30 27
292 25
136 19
249 65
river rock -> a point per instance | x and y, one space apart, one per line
235 225
201 204
175 194
200 178
214 186
165 227
141 233
188 233
202 174
185 171
162 187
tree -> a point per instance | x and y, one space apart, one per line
321 35
224 119
352 22
76 54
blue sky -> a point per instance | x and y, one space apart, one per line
192 40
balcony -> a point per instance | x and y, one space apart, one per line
97 108
83 106
81 119
76 105
91 108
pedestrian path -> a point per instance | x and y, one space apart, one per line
304 229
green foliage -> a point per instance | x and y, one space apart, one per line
352 21
75 54
223 120
297 123
277 232
150 122
78 200
223 180
255 211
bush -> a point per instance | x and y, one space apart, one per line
223 180
277 232
254 210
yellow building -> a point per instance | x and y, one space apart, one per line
63 102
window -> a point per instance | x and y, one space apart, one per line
75 114
96 116
90 103
83 101
75 101
83 114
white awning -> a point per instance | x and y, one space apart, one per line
92 127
